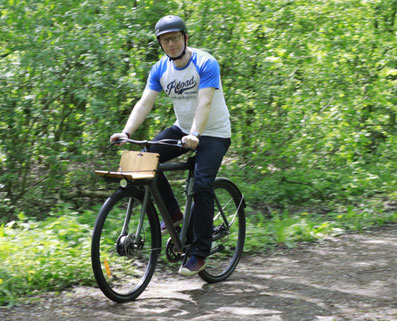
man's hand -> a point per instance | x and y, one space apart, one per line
118 136
190 141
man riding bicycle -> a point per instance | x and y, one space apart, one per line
191 78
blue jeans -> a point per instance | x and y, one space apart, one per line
209 155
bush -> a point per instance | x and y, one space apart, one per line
40 256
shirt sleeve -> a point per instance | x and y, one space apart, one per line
209 74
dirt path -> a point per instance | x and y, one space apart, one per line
352 277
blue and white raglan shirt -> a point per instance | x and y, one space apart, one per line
182 86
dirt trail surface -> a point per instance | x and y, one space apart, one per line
351 277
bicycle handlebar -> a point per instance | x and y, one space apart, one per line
167 142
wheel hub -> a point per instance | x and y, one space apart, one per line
127 245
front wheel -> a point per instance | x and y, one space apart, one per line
125 245
228 232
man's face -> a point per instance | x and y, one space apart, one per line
172 43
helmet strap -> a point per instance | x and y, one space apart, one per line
180 56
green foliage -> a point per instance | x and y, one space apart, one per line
286 229
311 89
69 74
40 256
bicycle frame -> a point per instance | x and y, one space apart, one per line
179 242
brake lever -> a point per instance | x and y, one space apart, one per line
116 142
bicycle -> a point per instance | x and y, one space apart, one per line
126 240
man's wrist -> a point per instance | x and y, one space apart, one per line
128 134
195 133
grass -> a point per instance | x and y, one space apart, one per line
285 229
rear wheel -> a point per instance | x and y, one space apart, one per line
229 232
124 263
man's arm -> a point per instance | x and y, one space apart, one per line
200 120
138 114
141 109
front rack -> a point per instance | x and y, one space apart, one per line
134 166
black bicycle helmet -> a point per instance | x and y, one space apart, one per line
171 24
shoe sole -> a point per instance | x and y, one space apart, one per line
186 272
165 232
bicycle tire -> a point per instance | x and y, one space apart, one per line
229 248
122 272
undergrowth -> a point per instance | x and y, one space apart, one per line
287 229
41 256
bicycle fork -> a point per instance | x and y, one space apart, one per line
124 240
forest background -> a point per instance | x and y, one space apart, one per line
311 88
